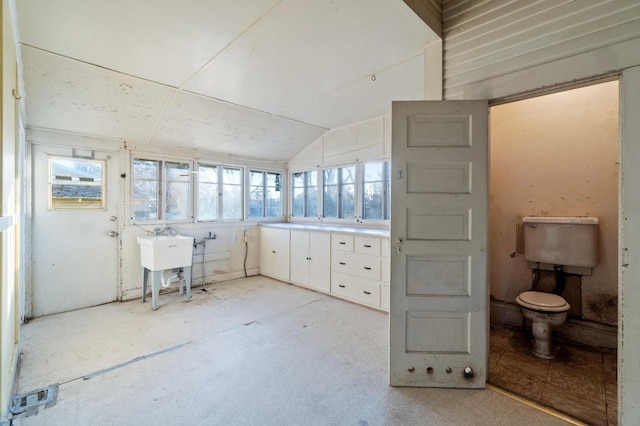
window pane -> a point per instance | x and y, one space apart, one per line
207 192
373 190
312 193
330 177
330 201
312 201
232 201
145 200
232 193
297 204
373 197
145 169
256 194
207 201
348 201
176 197
373 172
207 173
348 174
273 201
76 184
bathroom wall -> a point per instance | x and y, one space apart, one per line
556 155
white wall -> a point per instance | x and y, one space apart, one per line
556 155
489 41
10 219
366 140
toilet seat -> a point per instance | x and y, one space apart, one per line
545 302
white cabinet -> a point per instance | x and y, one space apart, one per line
344 264
274 252
357 268
311 259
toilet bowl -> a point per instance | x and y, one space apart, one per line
545 310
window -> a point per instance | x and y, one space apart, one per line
161 190
219 192
232 193
265 194
207 192
176 191
304 186
339 186
375 190
76 184
357 191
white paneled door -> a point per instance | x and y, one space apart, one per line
439 295
75 229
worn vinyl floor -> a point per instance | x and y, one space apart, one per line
246 352
579 381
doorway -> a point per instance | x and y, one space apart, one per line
556 155
75 229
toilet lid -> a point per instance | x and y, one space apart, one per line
542 301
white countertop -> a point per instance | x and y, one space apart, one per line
377 232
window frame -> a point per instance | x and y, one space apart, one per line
358 194
386 190
220 168
305 207
51 181
161 187
248 186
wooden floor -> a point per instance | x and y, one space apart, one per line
579 381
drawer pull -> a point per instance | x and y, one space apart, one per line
341 285
367 245
342 263
342 243
368 268
273 251
308 258
367 292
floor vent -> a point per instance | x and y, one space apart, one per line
31 402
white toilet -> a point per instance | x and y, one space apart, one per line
556 242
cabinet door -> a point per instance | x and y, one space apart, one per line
320 264
300 258
274 253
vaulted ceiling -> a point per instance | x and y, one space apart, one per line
258 78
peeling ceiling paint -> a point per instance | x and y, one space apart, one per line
261 78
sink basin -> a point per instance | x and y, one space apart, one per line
165 252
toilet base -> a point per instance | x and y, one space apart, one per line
541 326
542 347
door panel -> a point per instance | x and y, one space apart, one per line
439 294
74 259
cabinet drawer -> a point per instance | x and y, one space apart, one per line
356 289
342 242
367 245
358 265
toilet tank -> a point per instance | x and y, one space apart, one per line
568 241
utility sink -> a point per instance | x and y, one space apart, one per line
162 252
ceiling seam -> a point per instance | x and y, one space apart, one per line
97 66
232 42
251 109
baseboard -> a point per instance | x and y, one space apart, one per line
588 333
505 313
